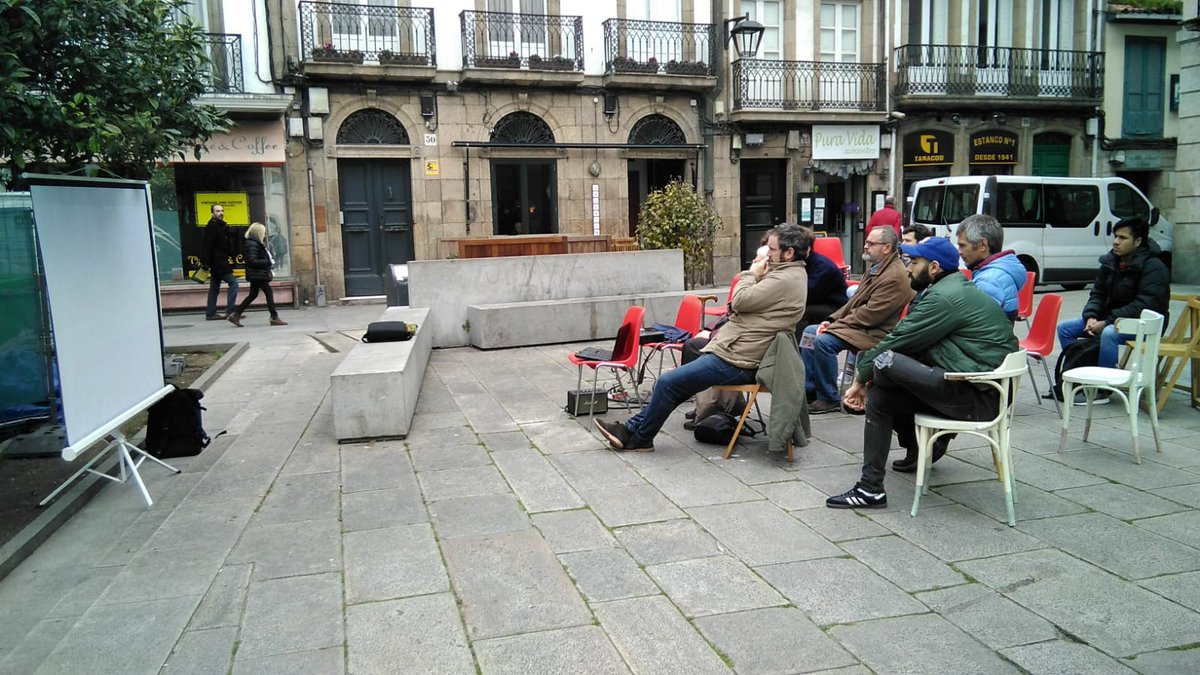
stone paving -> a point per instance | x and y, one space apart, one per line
503 537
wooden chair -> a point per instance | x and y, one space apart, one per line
1177 349
751 391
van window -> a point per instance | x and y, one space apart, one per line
945 204
1018 204
1124 202
1071 205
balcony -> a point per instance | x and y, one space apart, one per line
522 49
373 42
661 54
224 53
828 89
991 77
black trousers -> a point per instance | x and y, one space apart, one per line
255 287
901 388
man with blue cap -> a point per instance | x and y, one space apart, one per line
954 328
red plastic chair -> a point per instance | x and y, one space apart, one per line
624 358
831 247
966 273
689 318
719 311
1025 298
1039 344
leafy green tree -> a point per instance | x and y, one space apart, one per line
677 217
111 83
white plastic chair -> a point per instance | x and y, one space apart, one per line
1004 379
1126 383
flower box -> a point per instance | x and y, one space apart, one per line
329 54
394 59
687 68
554 63
627 65
510 61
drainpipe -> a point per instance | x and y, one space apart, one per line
318 288
704 113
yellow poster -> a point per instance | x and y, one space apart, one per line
431 167
237 207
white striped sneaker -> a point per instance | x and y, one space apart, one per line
858 498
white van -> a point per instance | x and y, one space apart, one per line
1058 227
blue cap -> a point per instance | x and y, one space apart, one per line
934 248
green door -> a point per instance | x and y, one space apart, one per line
1052 155
1145 82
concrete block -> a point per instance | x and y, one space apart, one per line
375 388
516 324
451 286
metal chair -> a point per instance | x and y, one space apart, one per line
624 358
1040 342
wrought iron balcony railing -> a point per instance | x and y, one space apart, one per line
659 46
807 85
224 53
345 33
963 70
534 41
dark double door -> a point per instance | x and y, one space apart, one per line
377 223
764 202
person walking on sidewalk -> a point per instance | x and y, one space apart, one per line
215 251
258 272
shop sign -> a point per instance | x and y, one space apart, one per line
994 147
253 142
1143 160
845 141
928 148
237 207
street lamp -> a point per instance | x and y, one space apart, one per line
746 34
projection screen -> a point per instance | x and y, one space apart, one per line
96 240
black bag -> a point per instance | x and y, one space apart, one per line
174 427
1083 352
389 331
718 429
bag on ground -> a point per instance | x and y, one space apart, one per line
717 415
175 426
1082 352
717 428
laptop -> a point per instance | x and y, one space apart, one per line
602 354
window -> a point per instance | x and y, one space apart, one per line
946 205
1071 205
839 32
528 24
1124 202
1018 204
770 14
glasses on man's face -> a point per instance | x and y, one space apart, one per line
868 243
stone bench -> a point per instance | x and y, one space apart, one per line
375 387
539 322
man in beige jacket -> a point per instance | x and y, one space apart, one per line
769 298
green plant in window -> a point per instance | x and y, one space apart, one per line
677 217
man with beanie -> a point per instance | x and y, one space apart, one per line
955 328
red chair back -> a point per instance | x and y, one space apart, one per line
830 247
691 314
1040 340
966 273
722 310
1025 297
626 350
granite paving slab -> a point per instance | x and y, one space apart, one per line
511 583
630 505
1188 495
327 661
382 508
584 650
79 597
214 524
819 454
156 573
696 482
943 648
289 549
1181 527
987 497
35 646
375 466
840 525
537 483
89 647
485 414
1168 662
903 564
292 614
596 470
1182 588
1125 550
760 533
477 516
476 481
1060 656
200 652
438 438
426 630
774 640
501 441
639 627
225 599
792 495
442 419
991 618
667 541
607 574
956 532
717 585
839 590
1119 467
576 530
561 436
449 457
309 496
1042 472
392 563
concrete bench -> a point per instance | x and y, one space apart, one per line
539 322
375 388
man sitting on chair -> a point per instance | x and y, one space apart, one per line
995 271
861 323
955 328
768 299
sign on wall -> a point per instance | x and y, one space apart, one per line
994 147
256 142
928 148
237 207
845 141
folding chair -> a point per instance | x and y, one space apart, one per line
1126 383
997 431
624 358
751 391
1039 344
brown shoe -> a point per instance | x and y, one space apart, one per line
820 407
278 322
236 319
216 317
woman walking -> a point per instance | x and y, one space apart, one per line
258 272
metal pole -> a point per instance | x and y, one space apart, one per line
318 288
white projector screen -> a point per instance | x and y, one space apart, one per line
96 239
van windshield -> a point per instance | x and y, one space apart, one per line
945 204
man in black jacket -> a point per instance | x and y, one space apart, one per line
1131 278
214 254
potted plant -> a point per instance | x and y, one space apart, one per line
328 52
687 67
677 217
536 62
624 64
513 60
387 56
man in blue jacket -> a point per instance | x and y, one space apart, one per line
994 270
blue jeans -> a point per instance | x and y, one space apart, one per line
1110 339
678 385
821 364
214 289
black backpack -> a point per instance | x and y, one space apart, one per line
1083 352
718 428
175 428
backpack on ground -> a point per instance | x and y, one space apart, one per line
1083 352
717 415
175 427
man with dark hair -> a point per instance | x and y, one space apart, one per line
868 316
995 271
767 300
1131 278
214 253
956 327
826 287
888 216
915 234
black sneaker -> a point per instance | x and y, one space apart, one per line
858 498
690 415
908 465
615 432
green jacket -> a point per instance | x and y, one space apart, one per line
956 327
782 373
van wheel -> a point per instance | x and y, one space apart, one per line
1031 266
1074 287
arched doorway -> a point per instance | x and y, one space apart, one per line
375 197
647 174
524 191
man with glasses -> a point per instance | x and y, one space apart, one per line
866 318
